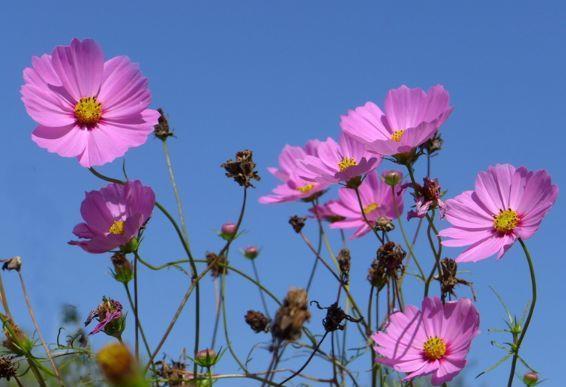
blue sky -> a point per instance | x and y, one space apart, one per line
259 75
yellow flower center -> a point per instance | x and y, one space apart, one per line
434 348
117 227
305 188
346 163
370 208
116 362
88 112
397 135
506 221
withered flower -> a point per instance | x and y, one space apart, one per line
7 367
16 340
383 223
427 197
217 264
433 145
387 265
257 321
297 222
162 130
175 373
14 263
291 316
111 319
335 317
242 170
448 279
344 262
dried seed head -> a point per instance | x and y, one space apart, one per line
175 373
162 130
434 144
16 340
383 223
344 262
8 368
14 263
257 321
242 170
297 222
291 316
448 278
387 265
217 264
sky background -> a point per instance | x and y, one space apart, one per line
262 74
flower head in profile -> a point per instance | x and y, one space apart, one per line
85 106
110 318
427 197
433 341
377 199
507 203
113 216
411 117
339 161
294 187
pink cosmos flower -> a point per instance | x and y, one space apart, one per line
377 200
113 216
294 187
335 162
507 203
434 341
411 117
86 107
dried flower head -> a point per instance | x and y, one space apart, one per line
433 145
16 340
257 321
175 373
385 224
344 262
8 367
111 319
427 197
14 263
335 317
123 270
448 279
242 170
291 316
217 264
297 222
162 130
388 264
117 364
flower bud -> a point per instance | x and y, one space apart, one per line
123 271
206 358
251 252
228 231
130 247
118 365
530 378
392 177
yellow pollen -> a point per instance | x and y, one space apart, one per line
434 348
397 135
370 208
346 163
506 221
88 112
117 227
305 188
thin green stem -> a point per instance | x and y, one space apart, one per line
517 344
364 215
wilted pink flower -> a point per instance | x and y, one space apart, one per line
427 197
323 212
86 107
377 201
411 117
113 216
507 203
294 187
335 162
108 313
434 341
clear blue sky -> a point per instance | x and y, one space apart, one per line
259 74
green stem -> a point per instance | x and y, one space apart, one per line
363 212
517 345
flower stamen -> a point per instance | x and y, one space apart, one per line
117 227
434 348
347 162
370 208
305 188
506 221
397 135
88 112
